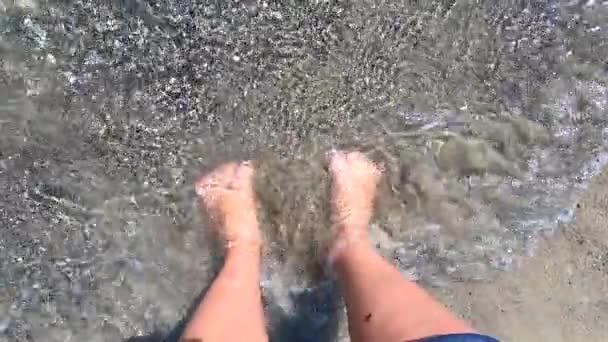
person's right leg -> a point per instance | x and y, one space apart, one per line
231 310
382 305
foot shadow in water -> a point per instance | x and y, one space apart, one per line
314 318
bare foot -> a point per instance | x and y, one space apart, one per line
354 182
227 195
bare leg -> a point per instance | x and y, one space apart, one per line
382 305
232 308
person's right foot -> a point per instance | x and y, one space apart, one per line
353 190
228 197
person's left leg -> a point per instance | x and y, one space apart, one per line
231 310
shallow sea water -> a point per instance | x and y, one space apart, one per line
490 118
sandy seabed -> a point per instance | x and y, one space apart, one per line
559 295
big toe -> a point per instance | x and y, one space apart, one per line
243 175
337 161
353 164
220 178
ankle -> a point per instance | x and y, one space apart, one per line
243 247
356 220
244 253
241 266
241 235
347 242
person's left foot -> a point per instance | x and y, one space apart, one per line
227 195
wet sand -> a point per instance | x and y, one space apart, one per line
561 294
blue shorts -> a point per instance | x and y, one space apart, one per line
461 338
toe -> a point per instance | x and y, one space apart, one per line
203 184
219 178
230 176
337 160
244 174
356 156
